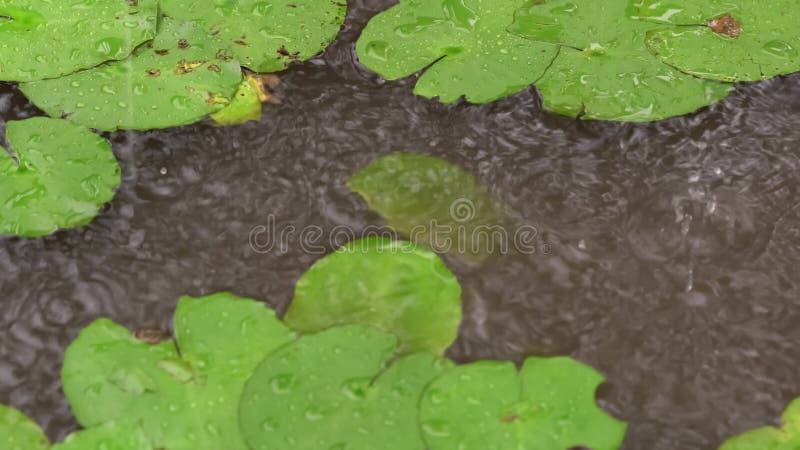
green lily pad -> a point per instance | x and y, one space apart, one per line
266 35
184 393
728 40
394 286
549 404
770 438
333 390
19 432
65 173
464 42
181 76
47 39
434 203
603 69
245 106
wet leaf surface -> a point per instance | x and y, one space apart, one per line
464 42
266 35
47 39
333 390
434 203
245 105
395 286
184 392
18 432
63 173
770 438
603 69
754 42
178 78
549 404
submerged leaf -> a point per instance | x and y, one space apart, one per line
395 286
728 40
603 69
181 76
265 35
184 393
332 390
47 39
434 203
770 438
464 42
18 432
63 175
549 404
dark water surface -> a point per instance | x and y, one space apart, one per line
675 247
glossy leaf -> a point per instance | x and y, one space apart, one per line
184 393
333 390
266 35
18 432
47 39
65 173
761 41
603 69
181 76
434 203
464 42
395 286
549 404
770 438
245 106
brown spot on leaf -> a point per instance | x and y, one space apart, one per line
185 67
183 44
291 5
133 3
509 418
151 336
286 54
214 68
162 52
153 72
240 42
726 25
223 55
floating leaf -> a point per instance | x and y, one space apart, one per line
18 432
603 69
65 173
245 106
181 76
332 390
185 393
266 35
395 286
433 202
464 42
47 39
770 438
549 404
728 40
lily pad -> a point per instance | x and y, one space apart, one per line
63 174
184 392
333 390
266 35
728 40
394 286
19 432
245 106
603 69
47 39
434 203
181 76
770 438
464 42
549 404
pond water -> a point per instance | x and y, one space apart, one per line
669 256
